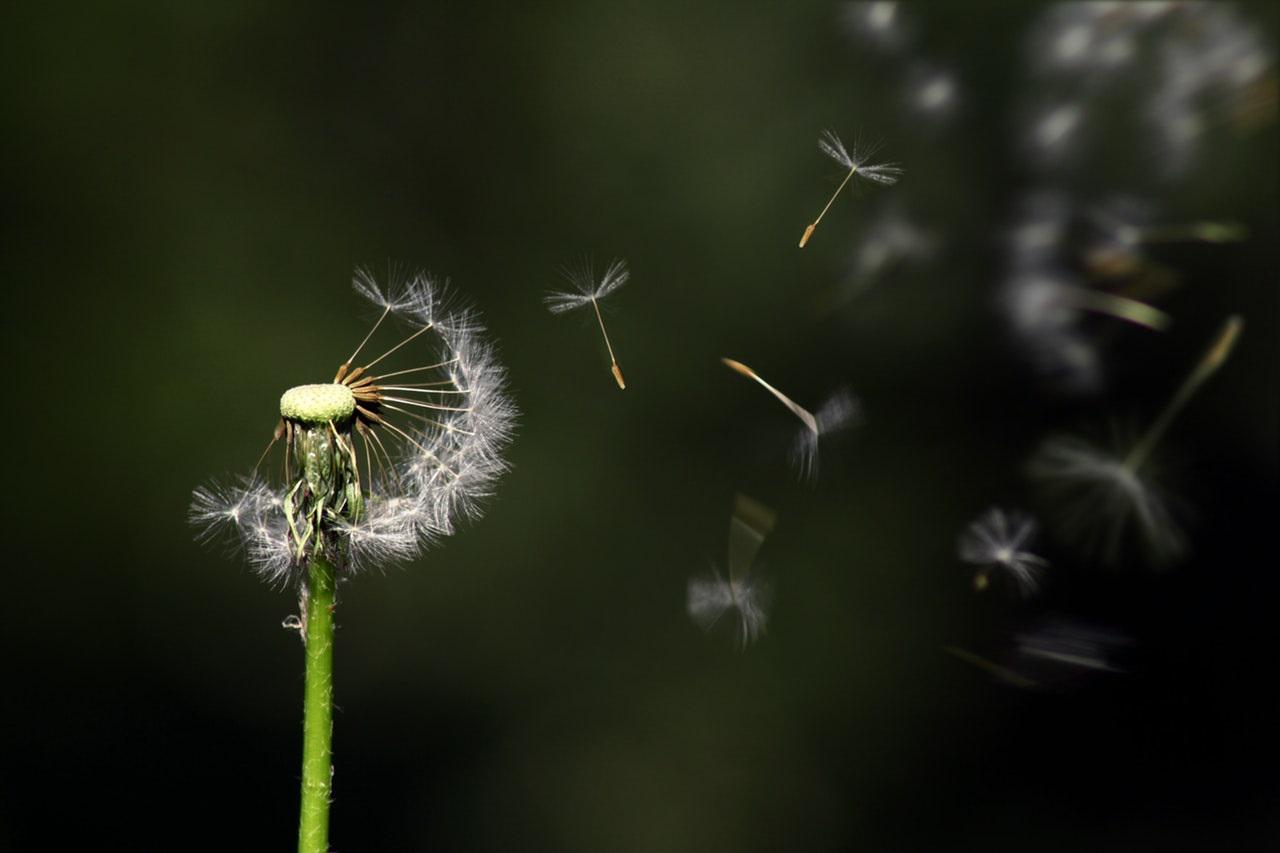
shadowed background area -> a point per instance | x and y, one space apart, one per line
187 189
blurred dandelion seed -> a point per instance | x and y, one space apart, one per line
1056 652
589 291
1003 673
710 597
1126 232
876 23
996 542
1215 356
840 411
1117 307
1068 644
810 422
892 240
1101 495
883 173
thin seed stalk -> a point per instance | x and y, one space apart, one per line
1213 358
317 723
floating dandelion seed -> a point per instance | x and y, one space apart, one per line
840 411
589 291
1057 652
711 596
1071 646
1193 65
386 460
877 23
891 240
1102 496
1123 229
1067 267
884 173
1003 673
1040 303
995 542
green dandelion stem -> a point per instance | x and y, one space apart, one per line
317 725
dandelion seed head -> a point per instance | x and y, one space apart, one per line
388 458
318 404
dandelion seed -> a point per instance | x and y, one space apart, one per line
996 542
1003 673
589 291
1049 303
1125 229
840 411
1068 644
710 597
883 173
931 92
1057 652
936 93
1054 129
876 23
1102 496
892 240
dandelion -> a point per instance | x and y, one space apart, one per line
377 463
995 542
840 411
1102 496
586 290
711 596
884 173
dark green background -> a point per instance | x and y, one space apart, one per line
187 188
